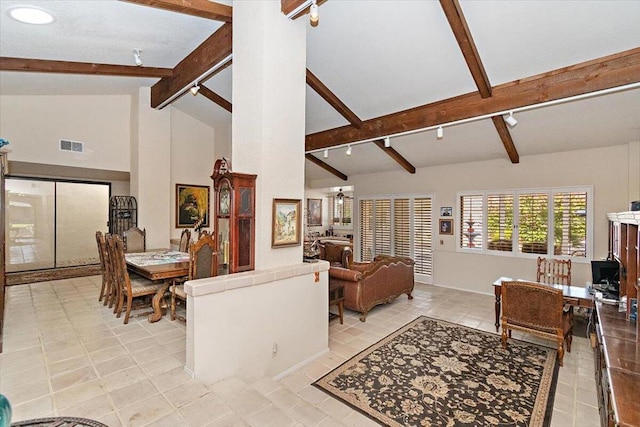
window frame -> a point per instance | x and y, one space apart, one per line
515 237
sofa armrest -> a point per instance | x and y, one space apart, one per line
344 274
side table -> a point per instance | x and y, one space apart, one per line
336 297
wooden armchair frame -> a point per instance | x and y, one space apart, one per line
135 240
554 271
185 239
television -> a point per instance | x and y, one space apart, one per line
605 272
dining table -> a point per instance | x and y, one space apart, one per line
158 265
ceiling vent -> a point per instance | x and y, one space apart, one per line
66 145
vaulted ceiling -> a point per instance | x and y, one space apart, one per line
374 69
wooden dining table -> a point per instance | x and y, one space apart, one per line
158 265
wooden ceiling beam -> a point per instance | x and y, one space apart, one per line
395 156
209 54
211 95
326 94
200 8
323 165
458 24
67 67
599 74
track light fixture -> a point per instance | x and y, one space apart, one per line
326 153
348 150
387 142
440 132
510 120
136 57
314 18
194 90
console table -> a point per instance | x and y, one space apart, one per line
617 367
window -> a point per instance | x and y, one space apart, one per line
401 226
551 221
340 212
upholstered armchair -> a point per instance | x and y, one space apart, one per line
369 284
338 255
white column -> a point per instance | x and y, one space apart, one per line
151 168
269 88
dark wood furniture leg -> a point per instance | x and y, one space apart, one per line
497 290
157 303
336 297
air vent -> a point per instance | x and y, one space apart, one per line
66 145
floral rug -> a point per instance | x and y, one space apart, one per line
434 373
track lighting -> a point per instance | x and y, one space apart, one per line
136 57
387 142
326 153
313 13
440 132
194 90
348 150
511 121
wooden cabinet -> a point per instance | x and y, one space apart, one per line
234 218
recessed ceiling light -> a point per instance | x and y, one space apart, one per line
31 15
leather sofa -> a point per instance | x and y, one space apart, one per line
369 284
338 255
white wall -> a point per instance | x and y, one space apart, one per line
611 191
192 157
34 126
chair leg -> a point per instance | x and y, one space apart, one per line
504 337
341 311
126 315
102 291
173 304
560 350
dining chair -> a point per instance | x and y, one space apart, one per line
185 239
135 240
202 263
554 271
102 253
128 289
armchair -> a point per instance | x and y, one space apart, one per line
338 255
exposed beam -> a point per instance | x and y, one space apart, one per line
603 73
323 165
505 137
211 52
211 95
460 29
66 67
458 24
333 100
296 7
395 156
200 8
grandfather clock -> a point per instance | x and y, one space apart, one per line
235 218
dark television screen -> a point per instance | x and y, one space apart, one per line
605 271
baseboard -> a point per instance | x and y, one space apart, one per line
51 274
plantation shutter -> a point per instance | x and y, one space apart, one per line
423 236
401 228
346 210
366 230
533 218
570 224
471 220
500 222
382 227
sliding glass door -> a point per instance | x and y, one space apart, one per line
52 224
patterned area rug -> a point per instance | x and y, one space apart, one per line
434 373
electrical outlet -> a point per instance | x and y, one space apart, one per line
274 350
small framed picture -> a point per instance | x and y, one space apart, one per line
286 223
446 226
446 211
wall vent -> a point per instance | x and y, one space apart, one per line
66 145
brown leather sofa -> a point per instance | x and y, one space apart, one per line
369 284
338 255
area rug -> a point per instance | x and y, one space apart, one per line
434 373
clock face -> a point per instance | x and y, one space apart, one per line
225 201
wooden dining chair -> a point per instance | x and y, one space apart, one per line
135 240
554 271
185 239
202 263
128 289
102 253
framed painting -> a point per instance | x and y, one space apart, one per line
286 223
314 212
446 226
446 211
192 206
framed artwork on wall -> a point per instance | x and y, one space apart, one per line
314 212
446 211
192 205
446 226
286 223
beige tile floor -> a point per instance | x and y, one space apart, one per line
66 354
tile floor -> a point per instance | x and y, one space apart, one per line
66 354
